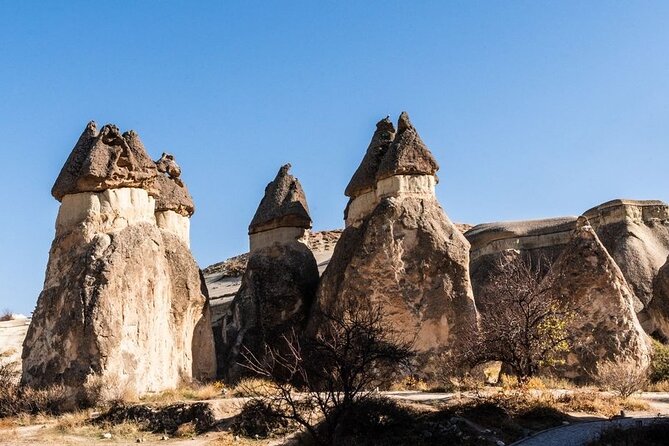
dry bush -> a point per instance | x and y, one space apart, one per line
6 315
410 383
103 391
659 386
598 403
624 377
186 392
253 388
259 419
528 327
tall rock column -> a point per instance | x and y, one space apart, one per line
280 280
121 298
401 251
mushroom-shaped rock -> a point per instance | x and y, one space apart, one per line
105 160
284 205
122 298
364 178
408 154
404 255
280 280
605 326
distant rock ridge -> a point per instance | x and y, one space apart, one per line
122 297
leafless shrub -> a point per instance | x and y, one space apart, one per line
353 353
101 390
623 376
6 315
528 327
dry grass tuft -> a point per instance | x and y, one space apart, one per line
410 383
189 392
598 403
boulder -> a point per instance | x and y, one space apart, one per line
122 297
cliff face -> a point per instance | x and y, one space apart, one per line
122 296
399 249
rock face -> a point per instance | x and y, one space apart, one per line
174 205
280 279
605 324
634 232
399 249
122 296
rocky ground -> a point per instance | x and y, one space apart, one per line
73 429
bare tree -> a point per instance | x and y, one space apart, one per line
524 324
319 378
623 376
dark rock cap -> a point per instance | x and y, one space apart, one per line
284 205
105 160
408 154
364 177
172 193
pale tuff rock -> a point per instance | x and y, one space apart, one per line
280 280
105 160
403 253
605 326
122 297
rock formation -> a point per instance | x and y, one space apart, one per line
122 295
604 325
280 279
399 249
634 232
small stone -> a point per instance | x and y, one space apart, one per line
164 437
106 435
500 443
565 423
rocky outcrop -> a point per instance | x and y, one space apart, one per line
280 279
634 232
604 323
399 249
174 205
658 308
122 297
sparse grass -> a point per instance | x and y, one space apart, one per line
6 315
190 392
598 403
229 439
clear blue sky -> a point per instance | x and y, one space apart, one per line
532 108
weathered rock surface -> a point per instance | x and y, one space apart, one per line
404 254
605 325
636 234
284 205
658 308
279 282
172 193
122 297
105 159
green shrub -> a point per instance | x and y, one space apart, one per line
659 366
